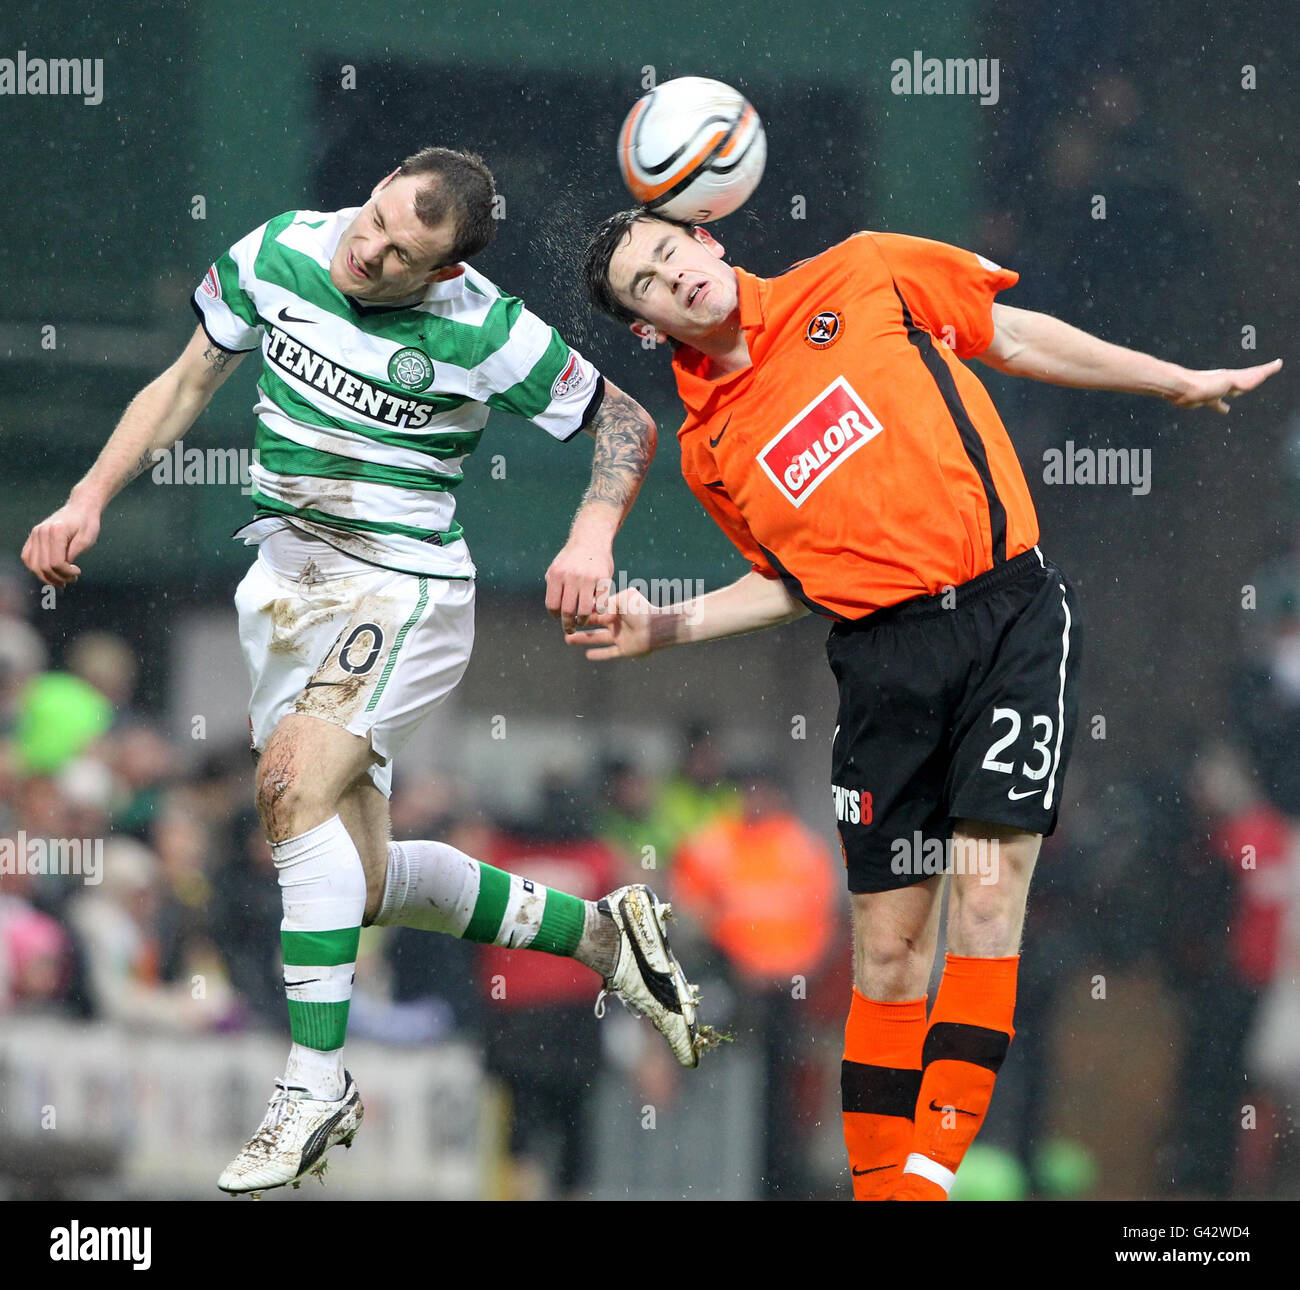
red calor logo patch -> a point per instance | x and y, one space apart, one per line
818 441
211 284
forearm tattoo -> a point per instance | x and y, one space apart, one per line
142 463
218 359
625 443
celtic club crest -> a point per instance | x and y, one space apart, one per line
411 369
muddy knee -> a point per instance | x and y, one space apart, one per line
286 801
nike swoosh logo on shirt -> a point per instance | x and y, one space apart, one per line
1015 797
285 316
713 443
857 1173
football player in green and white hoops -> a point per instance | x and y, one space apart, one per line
382 354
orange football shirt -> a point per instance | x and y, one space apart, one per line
857 457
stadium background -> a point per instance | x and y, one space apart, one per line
237 112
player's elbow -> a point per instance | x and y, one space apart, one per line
630 425
1009 343
185 393
779 604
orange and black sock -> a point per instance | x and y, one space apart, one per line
879 1084
970 1032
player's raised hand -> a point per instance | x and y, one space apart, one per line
623 628
1214 388
578 576
54 543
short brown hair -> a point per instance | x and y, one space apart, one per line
463 188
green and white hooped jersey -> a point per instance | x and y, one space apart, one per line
367 412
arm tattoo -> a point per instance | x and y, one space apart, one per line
142 464
625 443
218 359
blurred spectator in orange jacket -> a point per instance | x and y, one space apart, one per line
761 887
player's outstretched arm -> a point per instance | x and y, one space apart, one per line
159 415
630 626
625 438
1044 348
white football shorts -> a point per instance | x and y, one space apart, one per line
368 649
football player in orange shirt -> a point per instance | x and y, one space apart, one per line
836 435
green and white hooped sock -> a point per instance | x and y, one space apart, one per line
323 888
433 886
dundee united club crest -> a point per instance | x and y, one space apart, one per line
824 329
411 369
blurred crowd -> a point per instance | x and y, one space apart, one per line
1183 873
163 911
1184 879
1187 873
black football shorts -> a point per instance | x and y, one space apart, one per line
959 706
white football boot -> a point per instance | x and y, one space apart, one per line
293 1138
647 977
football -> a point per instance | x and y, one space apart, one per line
692 149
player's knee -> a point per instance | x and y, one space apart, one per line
986 923
287 802
275 784
890 965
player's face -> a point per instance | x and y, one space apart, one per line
676 281
386 253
